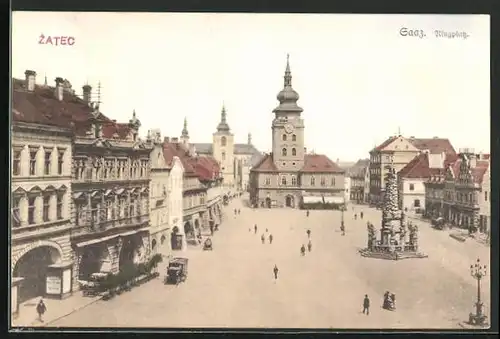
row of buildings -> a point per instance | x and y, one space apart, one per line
434 180
89 195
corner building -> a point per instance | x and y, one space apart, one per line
288 176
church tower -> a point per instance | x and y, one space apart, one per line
185 134
288 128
223 149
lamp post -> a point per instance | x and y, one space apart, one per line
478 272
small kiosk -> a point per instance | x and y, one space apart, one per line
59 281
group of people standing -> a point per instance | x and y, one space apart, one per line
309 244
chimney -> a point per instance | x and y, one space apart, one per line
114 120
59 89
30 80
166 140
87 89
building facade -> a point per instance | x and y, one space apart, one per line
289 176
400 151
358 175
165 197
413 177
465 188
40 247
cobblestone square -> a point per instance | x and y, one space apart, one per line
233 285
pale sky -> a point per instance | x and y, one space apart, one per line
358 79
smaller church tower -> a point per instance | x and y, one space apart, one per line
223 149
185 134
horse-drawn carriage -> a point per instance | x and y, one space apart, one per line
207 245
177 270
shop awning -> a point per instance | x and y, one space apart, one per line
96 241
108 192
312 199
120 191
77 195
334 200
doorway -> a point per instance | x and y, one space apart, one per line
289 201
268 202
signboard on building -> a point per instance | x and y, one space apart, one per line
53 285
66 280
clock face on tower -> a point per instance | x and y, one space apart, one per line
289 128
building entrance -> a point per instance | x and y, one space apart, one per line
32 266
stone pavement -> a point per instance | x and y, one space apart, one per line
56 309
233 285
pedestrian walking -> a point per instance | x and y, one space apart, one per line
239 211
355 216
275 270
40 309
235 211
361 215
342 228
307 213
308 233
255 229
303 250
249 230
267 230
263 239
270 238
366 305
309 246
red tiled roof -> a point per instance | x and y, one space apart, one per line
266 164
171 150
42 107
320 163
418 167
479 171
206 167
434 145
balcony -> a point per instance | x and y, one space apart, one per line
24 232
102 226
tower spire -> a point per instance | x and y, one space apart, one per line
184 129
288 73
249 138
223 126
45 80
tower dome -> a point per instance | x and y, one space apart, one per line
288 97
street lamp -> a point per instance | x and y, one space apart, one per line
478 272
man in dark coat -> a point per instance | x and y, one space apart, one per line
361 215
309 246
303 250
308 233
366 305
270 238
263 239
275 270
255 229
40 309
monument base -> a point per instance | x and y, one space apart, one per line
392 255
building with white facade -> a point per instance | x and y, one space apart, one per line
413 177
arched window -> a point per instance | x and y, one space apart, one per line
223 156
283 152
283 181
223 141
313 181
283 137
294 181
294 151
294 137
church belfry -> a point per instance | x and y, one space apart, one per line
185 133
288 127
223 149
